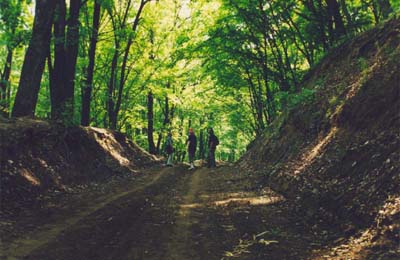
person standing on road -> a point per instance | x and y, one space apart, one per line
192 143
169 149
212 146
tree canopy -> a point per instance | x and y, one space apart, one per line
145 67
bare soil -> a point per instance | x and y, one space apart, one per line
166 213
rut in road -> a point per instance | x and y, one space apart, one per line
180 214
180 241
32 241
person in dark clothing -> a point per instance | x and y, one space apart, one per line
212 146
192 143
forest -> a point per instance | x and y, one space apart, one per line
98 97
146 67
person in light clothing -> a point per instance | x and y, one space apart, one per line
169 149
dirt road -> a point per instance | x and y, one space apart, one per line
170 213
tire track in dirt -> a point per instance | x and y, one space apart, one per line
241 220
23 247
123 229
177 214
181 245
224 216
155 228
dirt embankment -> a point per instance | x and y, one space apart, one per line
337 155
39 157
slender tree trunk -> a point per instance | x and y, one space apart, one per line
283 40
150 122
87 91
331 30
72 46
66 46
283 63
269 96
349 19
270 106
166 112
201 145
35 59
112 122
308 54
116 91
5 84
165 123
260 105
336 18
319 14
385 8
50 68
57 75
374 8
253 100
122 78
277 54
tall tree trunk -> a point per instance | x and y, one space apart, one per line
201 145
50 69
112 122
336 18
284 61
319 16
253 100
117 25
385 8
122 78
150 122
308 54
66 46
5 84
166 121
345 10
269 96
57 75
35 59
374 7
87 91
277 55
320 13
72 46
260 105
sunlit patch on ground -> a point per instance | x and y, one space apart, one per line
243 246
235 199
263 200
29 176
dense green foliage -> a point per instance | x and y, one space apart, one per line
233 65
